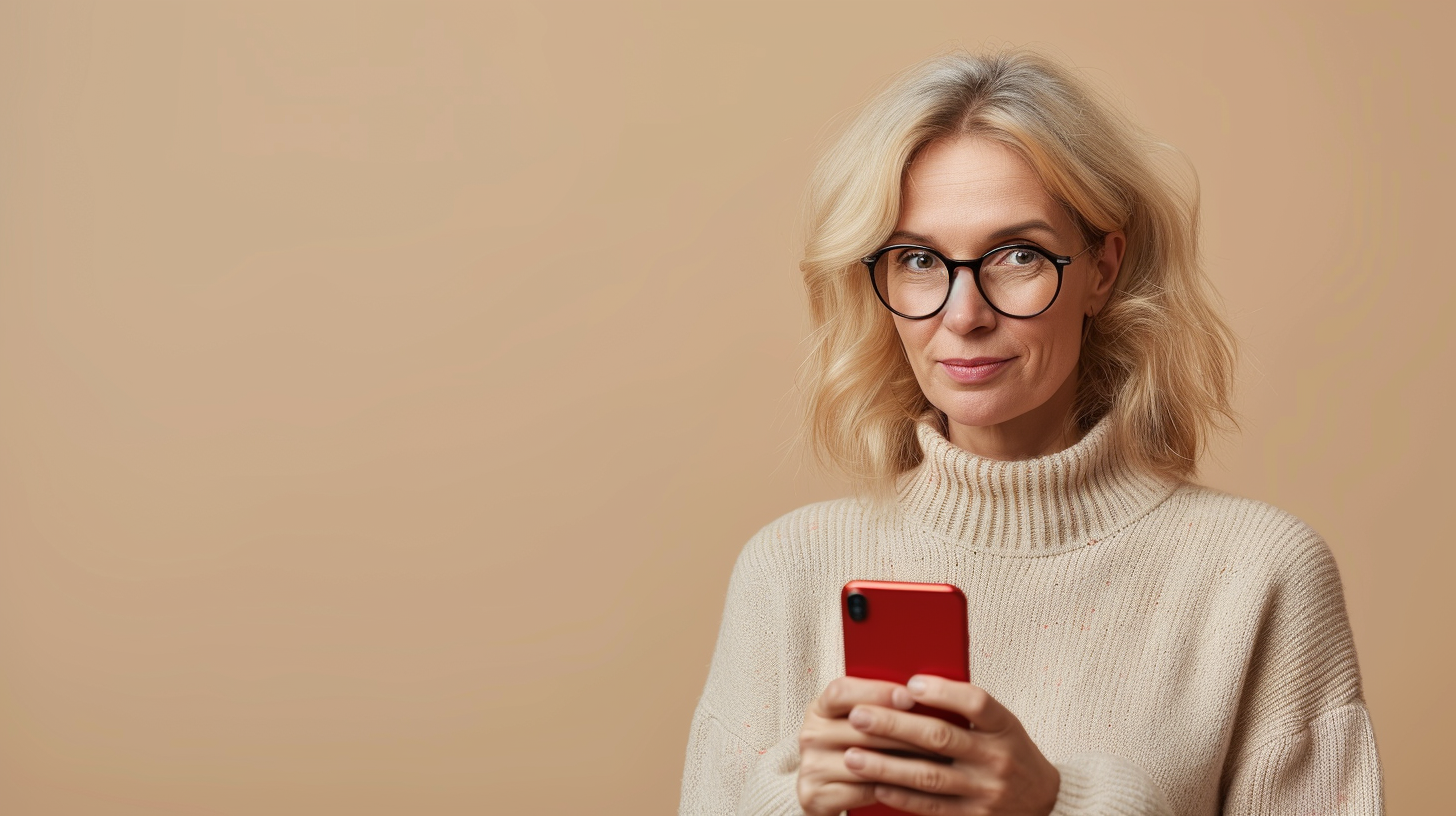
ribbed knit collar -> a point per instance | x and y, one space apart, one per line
1030 507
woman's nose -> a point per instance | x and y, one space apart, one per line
966 310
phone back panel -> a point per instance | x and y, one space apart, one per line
907 629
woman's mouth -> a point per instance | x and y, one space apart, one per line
975 370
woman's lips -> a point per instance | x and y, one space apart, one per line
978 369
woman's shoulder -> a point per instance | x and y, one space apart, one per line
810 533
1247 530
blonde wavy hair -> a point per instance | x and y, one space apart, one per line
1158 358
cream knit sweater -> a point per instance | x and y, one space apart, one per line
1171 649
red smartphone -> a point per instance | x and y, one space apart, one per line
896 629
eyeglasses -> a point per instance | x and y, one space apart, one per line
1016 280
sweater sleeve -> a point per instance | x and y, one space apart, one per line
738 761
1100 784
726 774
1328 766
1303 739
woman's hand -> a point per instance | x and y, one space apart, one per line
995 768
825 785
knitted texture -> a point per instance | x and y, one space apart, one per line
1171 649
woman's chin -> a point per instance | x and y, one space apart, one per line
977 413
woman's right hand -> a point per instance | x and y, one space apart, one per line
826 786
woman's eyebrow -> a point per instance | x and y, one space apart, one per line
1004 232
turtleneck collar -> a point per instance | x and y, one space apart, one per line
1029 507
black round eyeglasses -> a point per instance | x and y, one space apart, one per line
1016 280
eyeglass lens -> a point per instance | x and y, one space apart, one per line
1017 281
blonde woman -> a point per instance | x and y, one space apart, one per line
1016 358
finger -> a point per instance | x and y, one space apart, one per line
916 774
834 797
971 701
838 734
912 801
844 693
926 733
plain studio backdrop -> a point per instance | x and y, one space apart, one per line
387 389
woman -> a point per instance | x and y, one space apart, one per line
1017 360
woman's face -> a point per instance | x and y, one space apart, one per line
1013 400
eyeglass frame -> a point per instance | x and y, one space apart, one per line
1059 261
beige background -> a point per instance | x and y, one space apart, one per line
386 390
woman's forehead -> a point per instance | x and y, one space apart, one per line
971 188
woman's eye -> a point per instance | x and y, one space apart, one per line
919 262
1018 258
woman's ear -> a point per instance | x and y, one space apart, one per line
1104 270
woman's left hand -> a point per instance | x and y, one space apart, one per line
995 768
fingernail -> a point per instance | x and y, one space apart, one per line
853 758
900 698
859 718
916 685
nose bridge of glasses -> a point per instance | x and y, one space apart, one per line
970 277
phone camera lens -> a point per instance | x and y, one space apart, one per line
859 606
